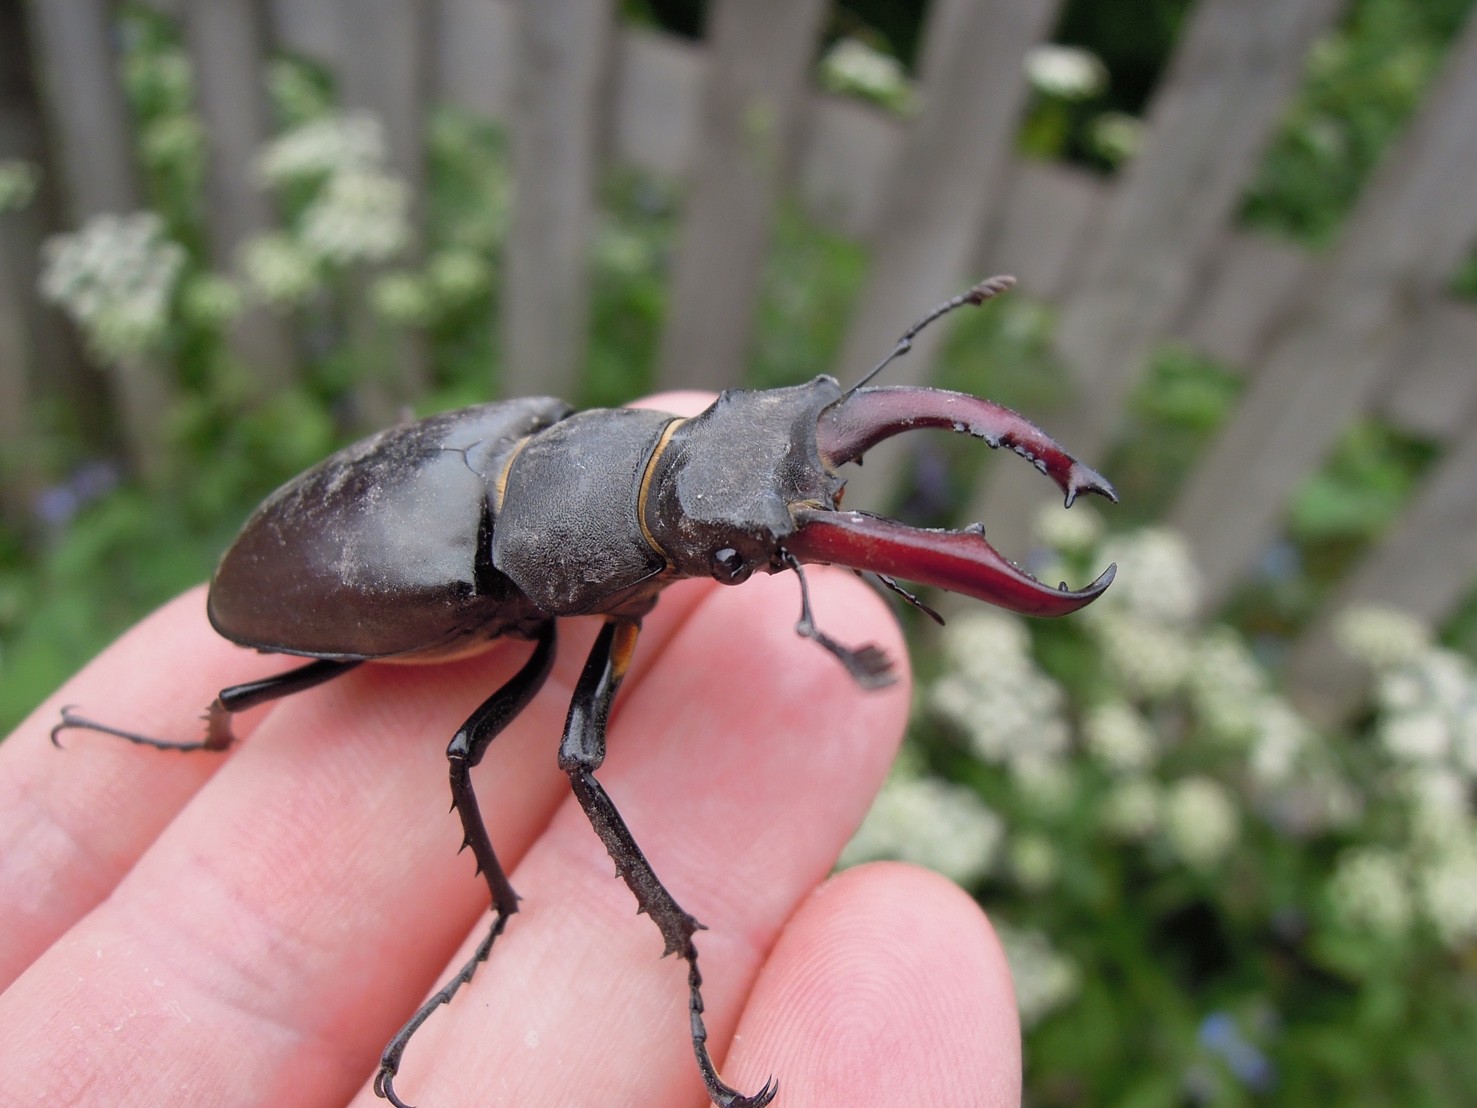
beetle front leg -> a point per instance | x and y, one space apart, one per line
466 750
581 752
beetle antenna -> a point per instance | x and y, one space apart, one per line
910 598
987 289
869 667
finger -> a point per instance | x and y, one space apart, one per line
276 934
741 763
887 988
72 821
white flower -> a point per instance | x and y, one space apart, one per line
1415 736
1119 737
1369 891
1117 136
115 276
931 823
1201 822
1227 685
1150 659
1448 893
1157 579
1045 979
279 271
1069 532
458 275
403 298
1069 72
1045 782
1034 862
1131 808
1440 804
1282 741
851 66
360 216
323 147
1381 638
995 693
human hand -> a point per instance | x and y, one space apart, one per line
252 928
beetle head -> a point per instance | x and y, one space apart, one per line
722 496
752 482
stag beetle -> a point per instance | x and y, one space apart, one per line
433 538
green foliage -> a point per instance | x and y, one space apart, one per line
1363 84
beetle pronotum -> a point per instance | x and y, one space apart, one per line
433 538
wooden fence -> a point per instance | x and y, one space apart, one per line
941 197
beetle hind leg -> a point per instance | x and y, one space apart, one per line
465 751
581 752
236 698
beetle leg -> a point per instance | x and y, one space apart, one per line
236 698
581 752
869 667
465 751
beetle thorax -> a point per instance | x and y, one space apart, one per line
722 493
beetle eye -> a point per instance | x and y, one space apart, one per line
729 567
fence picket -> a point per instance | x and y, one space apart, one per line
1236 63
952 164
1425 567
563 53
1404 240
383 69
760 55
226 40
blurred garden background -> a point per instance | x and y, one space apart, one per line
1223 818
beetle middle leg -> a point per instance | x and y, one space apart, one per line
581 752
465 751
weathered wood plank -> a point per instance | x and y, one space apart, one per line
844 150
1424 567
1049 217
1430 385
92 133
656 101
951 168
473 66
227 44
93 144
760 54
1234 67
384 69
1239 298
1408 234
563 50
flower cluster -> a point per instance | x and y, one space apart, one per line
1426 731
116 277
852 67
356 211
929 822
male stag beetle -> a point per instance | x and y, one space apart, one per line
433 538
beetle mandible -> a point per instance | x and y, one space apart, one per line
431 539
